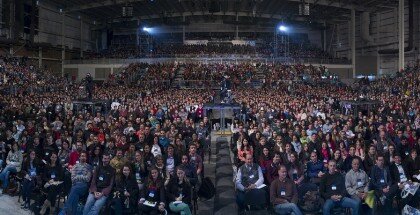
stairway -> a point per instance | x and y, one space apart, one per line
179 77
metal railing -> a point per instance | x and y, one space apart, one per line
211 59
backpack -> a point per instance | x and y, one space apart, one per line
312 201
207 189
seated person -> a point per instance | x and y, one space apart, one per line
248 179
189 170
31 170
178 193
272 170
52 179
81 174
381 182
315 169
283 194
357 182
332 188
139 169
152 198
295 169
400 176
100 187
13 164
126 191
118 161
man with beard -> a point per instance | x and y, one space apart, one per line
102 182
80 177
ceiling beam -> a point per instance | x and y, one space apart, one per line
312 2
231 13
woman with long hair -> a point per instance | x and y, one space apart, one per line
244 150
296 169
126 192
52 178
338 159
178 193
370 159
139 169
14 164
360 148
31 171
152 199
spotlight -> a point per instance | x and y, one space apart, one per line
283 28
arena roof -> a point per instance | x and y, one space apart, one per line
320 10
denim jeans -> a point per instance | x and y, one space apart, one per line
182 208
344 203
93 205
77 190
4 175
287 208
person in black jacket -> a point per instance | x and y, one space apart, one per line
31 171
382 183
139 170
126 192
102 182
152 199
400 176
332 188
52 180
178 193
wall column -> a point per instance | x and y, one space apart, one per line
63 46
183 29
81 37
353 41
40 57
237 28
401 35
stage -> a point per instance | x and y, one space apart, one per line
354 107
93 106
221 111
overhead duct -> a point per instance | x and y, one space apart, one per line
410 46
365 27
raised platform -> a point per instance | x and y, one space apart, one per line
218 106
365 106
93 106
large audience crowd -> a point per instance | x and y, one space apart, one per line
295 51
147 153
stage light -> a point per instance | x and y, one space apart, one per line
146 29
283 28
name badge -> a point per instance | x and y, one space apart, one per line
52 176
32 173
385 147
282 193
151 194
325 160
382 181
334 187
251 176
359 182
47 153
137 175
63 160
101 178
77 162
406 153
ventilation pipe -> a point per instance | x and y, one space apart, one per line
365 27
410 46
